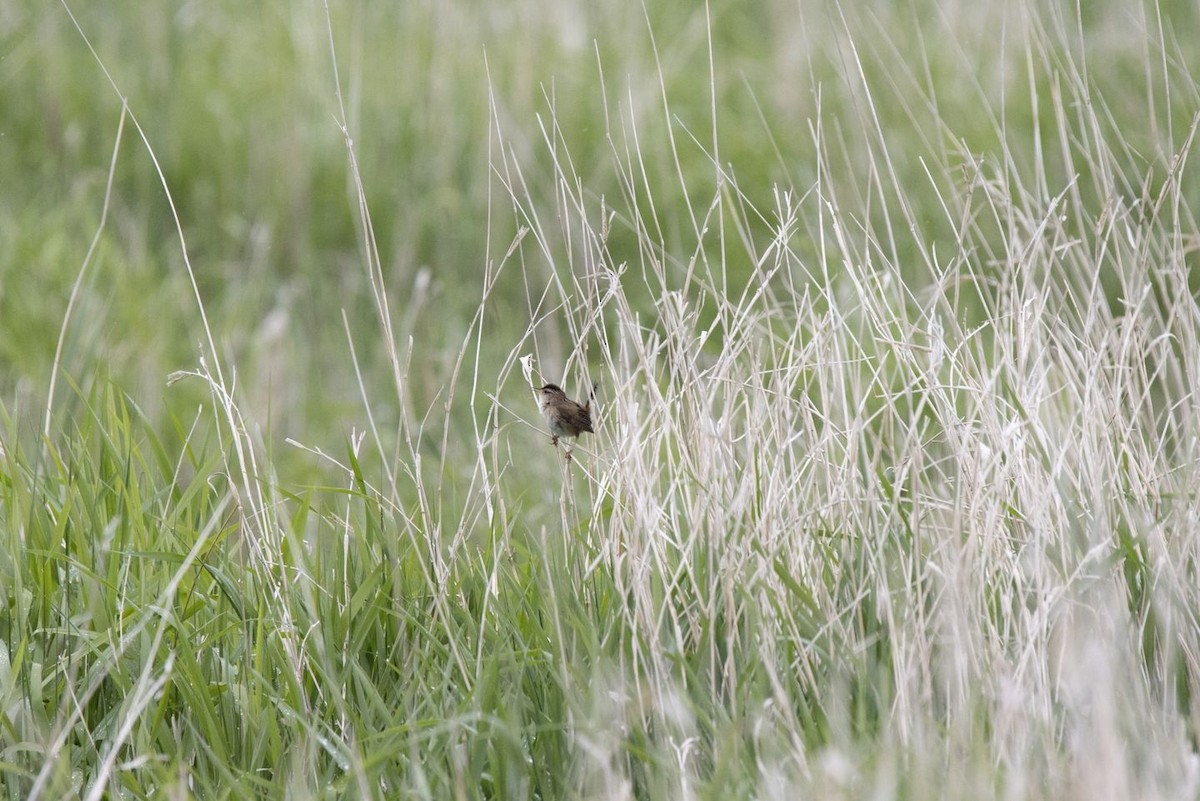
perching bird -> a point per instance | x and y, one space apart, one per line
566 417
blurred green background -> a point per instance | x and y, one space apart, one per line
238 103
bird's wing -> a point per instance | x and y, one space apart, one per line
581 418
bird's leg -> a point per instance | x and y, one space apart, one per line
554 439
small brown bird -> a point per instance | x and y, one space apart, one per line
566 417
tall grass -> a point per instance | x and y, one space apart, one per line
892 493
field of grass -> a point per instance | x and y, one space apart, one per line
891 311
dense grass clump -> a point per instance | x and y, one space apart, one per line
894 327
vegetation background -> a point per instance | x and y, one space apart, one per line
892 311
